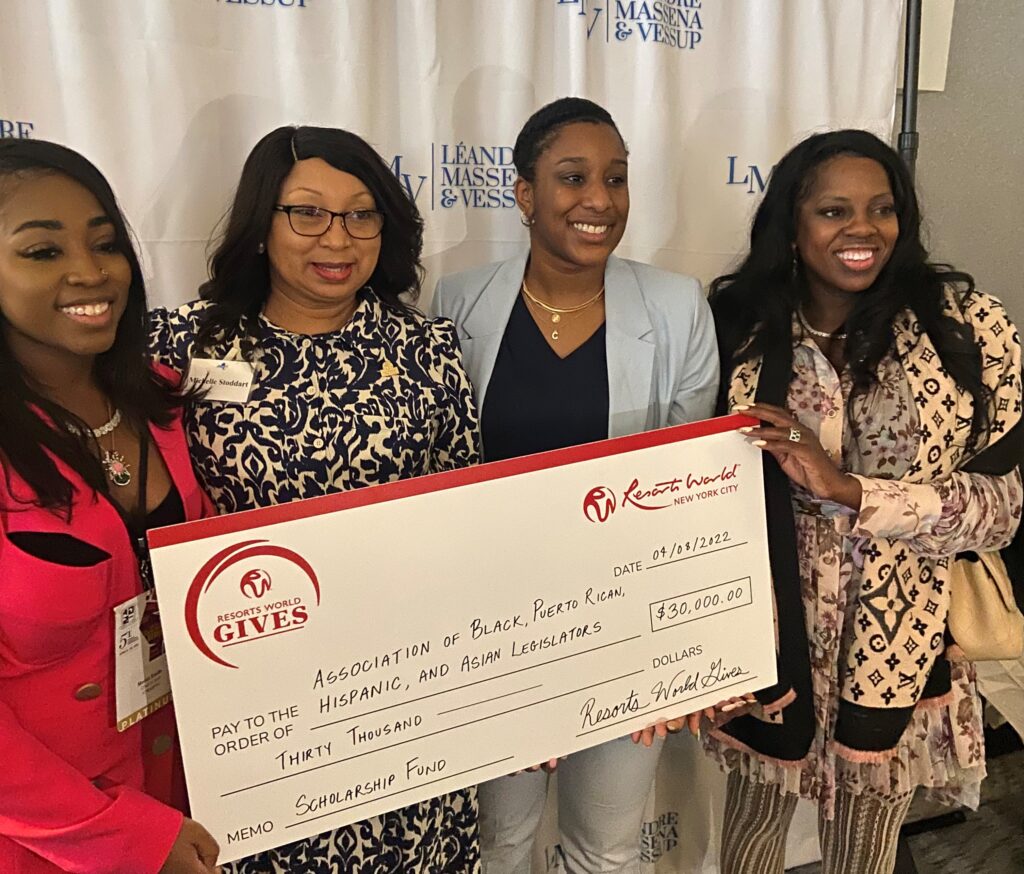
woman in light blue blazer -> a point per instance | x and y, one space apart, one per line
567 344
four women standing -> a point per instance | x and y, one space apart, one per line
882 382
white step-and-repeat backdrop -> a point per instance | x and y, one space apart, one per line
168 97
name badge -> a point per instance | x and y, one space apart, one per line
142 682
223 379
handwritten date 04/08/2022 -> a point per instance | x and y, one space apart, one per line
694 545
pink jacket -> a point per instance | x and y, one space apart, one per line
75 794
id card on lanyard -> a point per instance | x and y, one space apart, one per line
142 684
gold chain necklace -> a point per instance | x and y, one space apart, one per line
556 313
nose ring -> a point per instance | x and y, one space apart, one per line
76 279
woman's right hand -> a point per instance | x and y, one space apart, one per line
194 851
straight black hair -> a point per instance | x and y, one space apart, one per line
28 444
239 280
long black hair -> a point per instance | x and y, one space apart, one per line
27 443
239 280
754 306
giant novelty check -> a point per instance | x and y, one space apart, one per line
335 658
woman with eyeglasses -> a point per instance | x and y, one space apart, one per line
350 387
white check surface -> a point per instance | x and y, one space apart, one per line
460 634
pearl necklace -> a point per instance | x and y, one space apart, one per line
556 313
824 335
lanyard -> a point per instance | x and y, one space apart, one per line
135 521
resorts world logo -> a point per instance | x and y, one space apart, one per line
255 584
677 24
461 175
600 502
218 618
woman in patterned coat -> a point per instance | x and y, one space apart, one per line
888 391
351 387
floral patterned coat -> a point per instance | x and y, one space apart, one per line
881 437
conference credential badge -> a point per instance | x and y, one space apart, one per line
222 379
142 682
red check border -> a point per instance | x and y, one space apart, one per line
243 521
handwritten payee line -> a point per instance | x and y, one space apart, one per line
495 698
696 555
476 682
410 740
400 791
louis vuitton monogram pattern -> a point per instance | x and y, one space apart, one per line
902 596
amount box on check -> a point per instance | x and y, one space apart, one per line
700 603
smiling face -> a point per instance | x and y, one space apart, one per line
325 272
846 226
63 280
579 197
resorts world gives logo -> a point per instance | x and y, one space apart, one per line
217 619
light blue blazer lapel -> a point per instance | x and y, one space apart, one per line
484 325
629 346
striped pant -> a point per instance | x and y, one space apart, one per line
861 839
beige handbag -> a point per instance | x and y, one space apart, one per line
983 616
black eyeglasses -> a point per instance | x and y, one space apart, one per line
315 221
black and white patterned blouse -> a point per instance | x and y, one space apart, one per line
383 398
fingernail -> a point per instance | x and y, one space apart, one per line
698 733
742 407
725 708
758 443
746 430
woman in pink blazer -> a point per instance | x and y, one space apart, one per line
92 454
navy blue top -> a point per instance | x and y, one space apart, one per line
537 401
